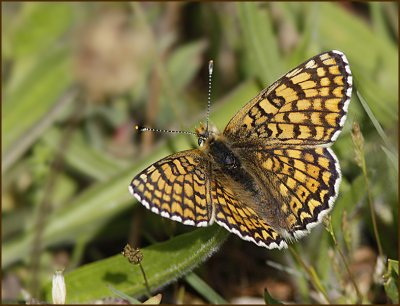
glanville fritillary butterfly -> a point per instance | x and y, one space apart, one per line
271 175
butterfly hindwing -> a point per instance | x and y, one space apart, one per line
238 218
307 106
176 187
305 180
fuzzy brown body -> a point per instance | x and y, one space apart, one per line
239 173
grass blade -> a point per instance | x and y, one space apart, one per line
204 289
373 119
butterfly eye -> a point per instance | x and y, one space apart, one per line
200 141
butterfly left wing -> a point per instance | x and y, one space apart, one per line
177 187
307 106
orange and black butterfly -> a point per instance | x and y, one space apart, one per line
270 176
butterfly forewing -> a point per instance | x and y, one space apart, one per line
177 187
307 106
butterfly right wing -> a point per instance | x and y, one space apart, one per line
307 106
177 187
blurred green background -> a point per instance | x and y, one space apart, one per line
77 77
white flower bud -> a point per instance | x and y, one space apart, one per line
59 291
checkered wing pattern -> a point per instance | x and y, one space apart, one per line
271 176
306 182
307 106
240 219
177 187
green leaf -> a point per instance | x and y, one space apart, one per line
260 42
373 119
391 283
162 262
122 295
269 300
38 26
349 197
376 71
204 289
184 63
378 19
181 68
309 40
83 157
392 157
31 108
88 212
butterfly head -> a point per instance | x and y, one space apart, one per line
202 134
206 134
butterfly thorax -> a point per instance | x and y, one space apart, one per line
229 164
225 160
222 154
247 183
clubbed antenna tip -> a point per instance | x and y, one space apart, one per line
210 67
141 128
210 72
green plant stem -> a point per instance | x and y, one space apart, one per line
359 295
145 280
371 206
311 273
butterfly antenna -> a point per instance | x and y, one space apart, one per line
145 129
210 72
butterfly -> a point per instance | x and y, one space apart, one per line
270 176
